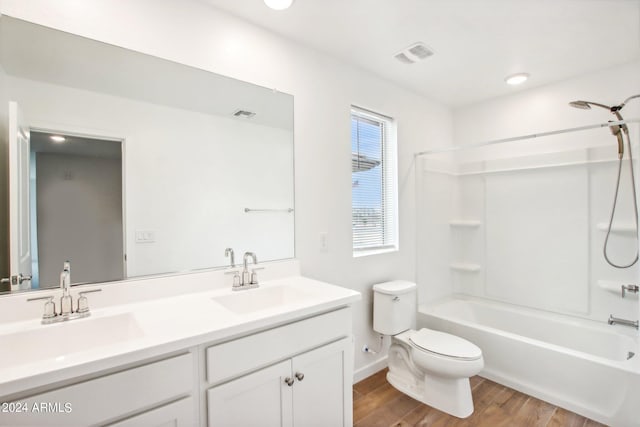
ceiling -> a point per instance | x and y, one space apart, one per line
75 146
477 43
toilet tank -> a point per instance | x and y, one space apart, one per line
394 307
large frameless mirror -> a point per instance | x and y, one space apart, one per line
130 165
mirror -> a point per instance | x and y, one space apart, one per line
162 167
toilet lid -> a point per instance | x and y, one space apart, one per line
445 344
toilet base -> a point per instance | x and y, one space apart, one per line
448 394
452 396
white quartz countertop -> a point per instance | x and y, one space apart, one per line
33 355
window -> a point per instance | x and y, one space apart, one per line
373 183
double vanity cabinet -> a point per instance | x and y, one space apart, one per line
280 355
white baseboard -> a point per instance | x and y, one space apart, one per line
370 369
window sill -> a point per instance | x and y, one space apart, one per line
373 251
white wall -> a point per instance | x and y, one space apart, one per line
4 176
323 89
79 205
538 242
545 108
188 175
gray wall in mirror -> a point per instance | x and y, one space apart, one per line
189 168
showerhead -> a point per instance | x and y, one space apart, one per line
583 105
586 105
615 129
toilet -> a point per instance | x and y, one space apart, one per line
430 366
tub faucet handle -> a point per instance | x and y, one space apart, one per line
630 288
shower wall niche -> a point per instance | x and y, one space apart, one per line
524 221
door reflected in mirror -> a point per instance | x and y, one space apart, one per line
76 211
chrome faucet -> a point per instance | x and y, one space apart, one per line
229 252
66 301
51 316
246 276
614 320
246 280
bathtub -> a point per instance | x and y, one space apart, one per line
587 367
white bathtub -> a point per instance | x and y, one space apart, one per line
577 364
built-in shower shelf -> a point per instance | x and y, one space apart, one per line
465 267
460 223
621 228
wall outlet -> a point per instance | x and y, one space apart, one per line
324 241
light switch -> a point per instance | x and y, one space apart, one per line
145 236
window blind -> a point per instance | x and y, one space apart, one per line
372 182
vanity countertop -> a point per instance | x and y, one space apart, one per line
33 355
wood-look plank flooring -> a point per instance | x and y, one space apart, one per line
377 404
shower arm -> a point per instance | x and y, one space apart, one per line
627 100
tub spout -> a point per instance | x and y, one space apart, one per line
616 321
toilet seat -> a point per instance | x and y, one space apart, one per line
444 344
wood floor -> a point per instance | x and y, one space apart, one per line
377 404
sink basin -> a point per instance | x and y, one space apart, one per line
60 339
252 300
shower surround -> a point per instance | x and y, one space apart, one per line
517 228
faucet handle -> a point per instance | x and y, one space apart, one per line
236 277
630 288
49 307
83 302
254 275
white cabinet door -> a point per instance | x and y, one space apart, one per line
260 399
322 391
176 414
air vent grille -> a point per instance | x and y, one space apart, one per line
414 53
244 114
404 58
421 51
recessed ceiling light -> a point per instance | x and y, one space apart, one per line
58 138
278 4
516 79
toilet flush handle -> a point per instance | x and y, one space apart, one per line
396 298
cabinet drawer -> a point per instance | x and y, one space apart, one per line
243 355
106 398
175 414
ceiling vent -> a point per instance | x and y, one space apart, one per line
244 114
414 53
404 58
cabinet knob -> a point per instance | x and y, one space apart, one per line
289 381
299 376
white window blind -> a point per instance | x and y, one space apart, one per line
373 182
